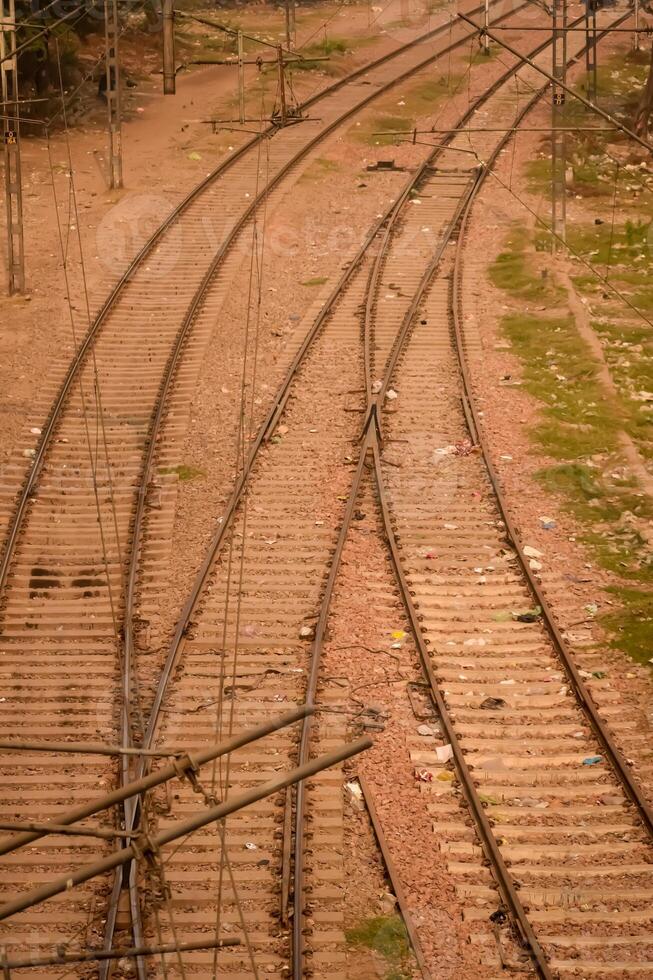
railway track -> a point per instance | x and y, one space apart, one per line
251 642
563 832
278 589
73 535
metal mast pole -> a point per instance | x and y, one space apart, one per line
636 37
114 109
169 74
282 87
590 47
11 138
486 24
558 136
290 23
241 78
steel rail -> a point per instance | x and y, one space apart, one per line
94 329
148 462
274 414
130 810
371 441
264 433
490 846
393 875
581 691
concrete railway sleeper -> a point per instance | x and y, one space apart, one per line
551 795
246 663
64 607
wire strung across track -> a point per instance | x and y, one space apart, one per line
369 444
370 429
40 568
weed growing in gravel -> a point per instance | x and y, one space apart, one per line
317 281
580 426
320 167
185 472
386 936
512 272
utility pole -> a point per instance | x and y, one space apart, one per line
486 24
290 24
558 136
241 77
283 109
169 71
11 141
114 108
636 36
590 47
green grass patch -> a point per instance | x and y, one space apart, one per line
632 627
318 169
185 472
512 272
380 130
317 281
386 936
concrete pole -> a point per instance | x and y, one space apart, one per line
558 136
11 144
169 73
114 107
241 77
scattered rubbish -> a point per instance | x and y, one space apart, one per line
398 635
391 394
355 794
35 431
250 846
508 682
451 527
427 730
499 917
493 704
592 608
532 552
599 674
534 565
421 701
528 616
306 633
547 523
592 760
376 387
387 904
465 448
444 753
194 156
29 453
423 776
430 554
